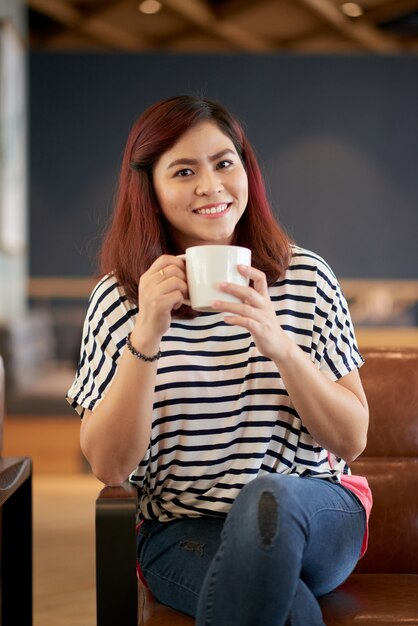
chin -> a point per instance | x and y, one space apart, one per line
224 238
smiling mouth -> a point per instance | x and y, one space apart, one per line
214 210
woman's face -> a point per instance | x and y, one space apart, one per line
201 186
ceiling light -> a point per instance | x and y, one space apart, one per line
149 7
352 9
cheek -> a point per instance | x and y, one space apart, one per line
166 200
241 183
164 193
245 193
244 190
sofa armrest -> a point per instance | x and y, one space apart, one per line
116 579
16 540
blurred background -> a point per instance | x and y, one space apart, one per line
328 93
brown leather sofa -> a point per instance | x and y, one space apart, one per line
383 590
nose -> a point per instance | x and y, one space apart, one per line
208 183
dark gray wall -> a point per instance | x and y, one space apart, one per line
337 138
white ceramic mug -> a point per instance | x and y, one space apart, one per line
207 266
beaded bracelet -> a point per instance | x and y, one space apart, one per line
139 355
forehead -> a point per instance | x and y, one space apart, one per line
205 137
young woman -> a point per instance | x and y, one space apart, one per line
236 426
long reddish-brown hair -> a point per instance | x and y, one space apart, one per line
138 233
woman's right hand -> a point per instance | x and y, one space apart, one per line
117 432
162 289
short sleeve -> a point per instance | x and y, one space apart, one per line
337 352
108 321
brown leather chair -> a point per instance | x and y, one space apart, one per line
15 533
383 590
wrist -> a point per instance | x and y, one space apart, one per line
289 354
139 341
141 355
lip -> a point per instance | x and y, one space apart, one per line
214 209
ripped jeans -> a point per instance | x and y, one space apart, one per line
285 541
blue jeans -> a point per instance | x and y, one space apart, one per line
285 541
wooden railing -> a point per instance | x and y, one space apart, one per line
50 287
53 287
367 297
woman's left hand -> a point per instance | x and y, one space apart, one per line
255 312
335 413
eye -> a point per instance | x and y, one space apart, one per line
186 171
224 164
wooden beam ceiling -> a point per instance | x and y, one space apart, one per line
360 30
199 13
199 25
96 26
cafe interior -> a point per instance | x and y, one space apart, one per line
327 92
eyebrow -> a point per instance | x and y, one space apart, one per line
214 157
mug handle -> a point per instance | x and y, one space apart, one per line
186 300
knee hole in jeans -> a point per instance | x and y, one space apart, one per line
268 510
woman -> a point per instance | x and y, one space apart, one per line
237 425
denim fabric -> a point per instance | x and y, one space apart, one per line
285 541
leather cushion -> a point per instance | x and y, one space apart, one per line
393 520
153 613
390 380
373 599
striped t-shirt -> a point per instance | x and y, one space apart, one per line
221 414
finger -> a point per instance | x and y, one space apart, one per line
257 276
177 299
248 295
245 322
254 327
173 284
164 261
171 271
153 289
238 309
171 301
166 301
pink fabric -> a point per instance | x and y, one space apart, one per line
360 487
139 573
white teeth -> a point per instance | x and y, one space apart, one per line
218 209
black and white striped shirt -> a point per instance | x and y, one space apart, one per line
221 415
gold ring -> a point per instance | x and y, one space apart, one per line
162 273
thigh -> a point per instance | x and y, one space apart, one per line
175 556
321 522
336 527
